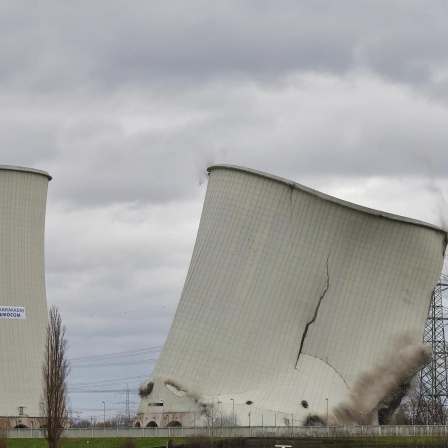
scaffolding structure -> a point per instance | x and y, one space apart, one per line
434 376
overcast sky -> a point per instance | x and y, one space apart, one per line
125 104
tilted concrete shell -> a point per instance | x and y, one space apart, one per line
23 195
290 295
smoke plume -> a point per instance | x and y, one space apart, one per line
436 191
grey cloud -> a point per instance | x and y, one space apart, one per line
27 131
153 43
254 45
101 158
146 40
407 54
380 130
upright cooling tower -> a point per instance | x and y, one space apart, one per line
23 304
290 295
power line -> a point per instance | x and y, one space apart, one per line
140 351
136 357
103 382
101 314
101 391
124 363
119 354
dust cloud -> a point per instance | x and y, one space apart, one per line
379 389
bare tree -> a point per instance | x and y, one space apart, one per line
55 370
418 409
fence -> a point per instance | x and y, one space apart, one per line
242 431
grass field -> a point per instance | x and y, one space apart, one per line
90 443
147 442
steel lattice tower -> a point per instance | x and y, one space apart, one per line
434 376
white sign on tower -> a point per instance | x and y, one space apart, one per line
12 312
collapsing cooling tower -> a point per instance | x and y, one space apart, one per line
290 296
23 303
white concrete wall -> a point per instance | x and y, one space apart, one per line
23 195
269 256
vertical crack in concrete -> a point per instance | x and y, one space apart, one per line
315 314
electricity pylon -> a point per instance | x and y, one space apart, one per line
434 376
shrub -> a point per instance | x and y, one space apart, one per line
127 443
